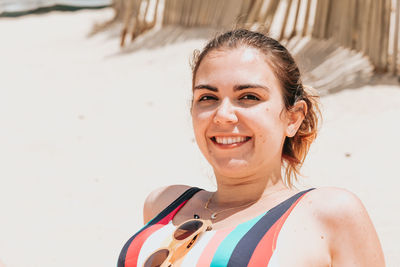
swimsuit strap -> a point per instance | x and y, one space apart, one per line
173 207
256 246
162 218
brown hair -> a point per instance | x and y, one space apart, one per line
286 70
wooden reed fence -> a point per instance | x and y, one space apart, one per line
368 26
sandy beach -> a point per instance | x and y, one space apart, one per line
88 130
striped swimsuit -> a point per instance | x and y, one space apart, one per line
251 243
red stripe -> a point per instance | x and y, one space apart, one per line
134 248
263 252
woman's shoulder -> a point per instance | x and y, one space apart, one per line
160 198
350 231
332 203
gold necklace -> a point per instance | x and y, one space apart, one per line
214 213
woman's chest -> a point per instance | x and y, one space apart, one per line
243 246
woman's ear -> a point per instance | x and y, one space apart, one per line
295 117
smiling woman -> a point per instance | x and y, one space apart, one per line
252 118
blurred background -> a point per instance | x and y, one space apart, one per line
95 113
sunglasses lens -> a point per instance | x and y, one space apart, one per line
186 229
157 258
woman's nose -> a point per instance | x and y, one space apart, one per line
225 113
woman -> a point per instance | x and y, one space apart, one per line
252 117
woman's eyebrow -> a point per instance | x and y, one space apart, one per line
206 86
251 85
235 88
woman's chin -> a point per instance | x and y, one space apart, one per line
234 168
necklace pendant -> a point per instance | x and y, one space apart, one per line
214 216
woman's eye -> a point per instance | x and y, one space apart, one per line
207 98
250 97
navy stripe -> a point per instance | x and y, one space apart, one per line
188 194
244 249
185 196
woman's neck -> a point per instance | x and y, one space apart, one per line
239 191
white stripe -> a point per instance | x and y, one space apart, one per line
160 238
273 261
194 254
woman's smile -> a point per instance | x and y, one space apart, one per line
227 142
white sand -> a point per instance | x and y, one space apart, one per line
87 132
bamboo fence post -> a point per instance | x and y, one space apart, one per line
360 25
154 20
386 35
135 20
316 25
194 13
244 12
191 12
365 34
152 23
268 19
118 6
166 13
164 20
372 32
355 26
127 15
188 13
232 10
179 5
396 37
320 19
287 12
234 22
382 36
146 12
216 14
141 25
332 27
327 10
181 12
255 10
379 43
347 23
173 12
199 12
379 36
351 28
375 34
210 13
203 13
306 18
208 17
294 30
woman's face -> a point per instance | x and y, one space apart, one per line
238 113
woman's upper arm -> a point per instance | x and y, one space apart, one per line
353 239
159 199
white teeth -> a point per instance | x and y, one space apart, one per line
230 140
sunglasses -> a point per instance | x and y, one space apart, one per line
183 239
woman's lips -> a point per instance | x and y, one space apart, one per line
230 141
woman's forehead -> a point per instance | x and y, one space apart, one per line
244 54
243 64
